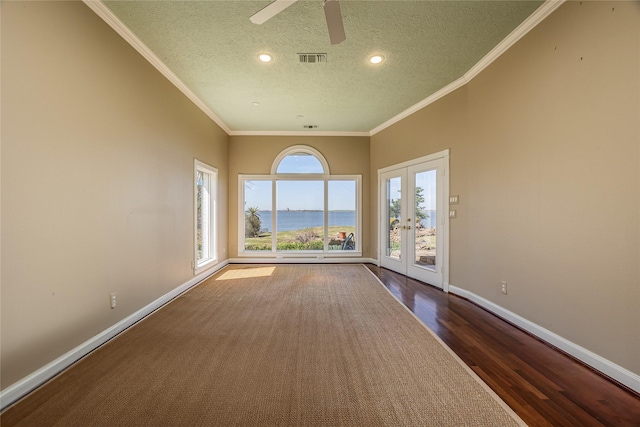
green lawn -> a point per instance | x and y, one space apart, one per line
299 240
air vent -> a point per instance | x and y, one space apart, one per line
312 58
310 126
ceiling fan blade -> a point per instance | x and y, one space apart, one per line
270 10
334 21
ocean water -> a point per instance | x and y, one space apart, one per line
296 220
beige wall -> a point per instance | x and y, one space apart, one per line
256 154
97 167
97 160
439 126
547 167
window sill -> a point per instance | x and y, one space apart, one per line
309 254
205 266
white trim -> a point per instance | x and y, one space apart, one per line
317 254
443 156
413 162
399 265
447 221
119 27
359 243
319 259
274 178
212 226
295 133
420 105
521 30
527 25
16 391
205 265
616 372
300 149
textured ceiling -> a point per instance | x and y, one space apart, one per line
212 47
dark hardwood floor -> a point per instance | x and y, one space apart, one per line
543 385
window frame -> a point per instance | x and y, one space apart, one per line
294 149
274 177
197 264
243 178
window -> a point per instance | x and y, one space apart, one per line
300 215
299 208
257 215
205 186
300 162
342 208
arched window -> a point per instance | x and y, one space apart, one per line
300 208
300 159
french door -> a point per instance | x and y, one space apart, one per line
413 221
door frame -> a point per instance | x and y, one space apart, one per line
444 155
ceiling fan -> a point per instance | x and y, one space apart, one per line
331 12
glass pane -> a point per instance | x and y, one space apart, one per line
300 163
342 215
300 215
257 215
426 219
394 232
203 184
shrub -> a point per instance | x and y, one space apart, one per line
252 223
316 245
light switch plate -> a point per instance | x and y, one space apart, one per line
503 287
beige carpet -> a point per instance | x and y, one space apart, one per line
286 345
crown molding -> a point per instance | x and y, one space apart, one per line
420 105
548 7
108 16
296 133
520 31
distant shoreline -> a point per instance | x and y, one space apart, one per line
304 210
303 219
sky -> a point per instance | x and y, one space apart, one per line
308 195
299 194
425 180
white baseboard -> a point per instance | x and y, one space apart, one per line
21 388
599 363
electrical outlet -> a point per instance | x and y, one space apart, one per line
503 287
113 300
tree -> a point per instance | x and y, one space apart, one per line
420 213
252 223
394 208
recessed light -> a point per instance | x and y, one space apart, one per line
299 116
255 103
376 59
265 57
